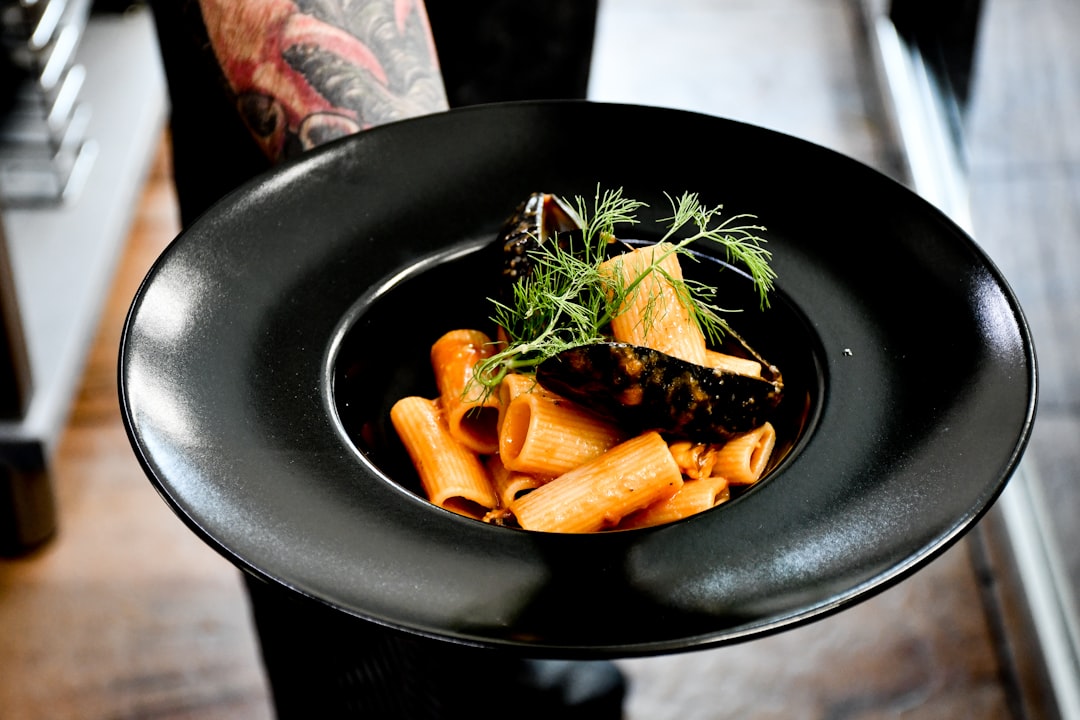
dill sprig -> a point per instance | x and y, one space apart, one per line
567 301
741 243
609 210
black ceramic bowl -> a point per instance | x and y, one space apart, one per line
329 278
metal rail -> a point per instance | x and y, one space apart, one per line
920 108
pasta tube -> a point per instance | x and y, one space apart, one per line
508 484
732 363
695 496
512 385
695 460
472 422
743 459
546 435
598 494
654 315
515 384
453 476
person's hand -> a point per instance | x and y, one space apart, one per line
308 71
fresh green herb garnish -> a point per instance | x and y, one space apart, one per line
567 301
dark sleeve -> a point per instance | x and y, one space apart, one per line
500 50
213 151
489 51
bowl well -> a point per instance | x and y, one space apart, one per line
384 354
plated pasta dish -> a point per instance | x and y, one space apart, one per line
605 394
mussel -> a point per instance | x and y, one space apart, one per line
644 389
538 219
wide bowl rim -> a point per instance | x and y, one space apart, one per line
184 469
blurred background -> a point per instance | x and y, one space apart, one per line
111 608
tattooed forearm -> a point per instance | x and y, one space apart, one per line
307 71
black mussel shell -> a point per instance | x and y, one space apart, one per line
538 219
644 389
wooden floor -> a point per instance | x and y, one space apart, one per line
123 614
127 615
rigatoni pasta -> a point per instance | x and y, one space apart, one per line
452 475
695 496
743 460
600 493
654 315
473 421
521 455
509 484
543 434
732 363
